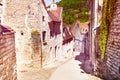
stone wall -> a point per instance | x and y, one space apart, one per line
68 49
22 15
7 57
52 51
25 17
113 46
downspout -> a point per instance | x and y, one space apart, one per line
92 21
40 32
93 24
90 29
41 51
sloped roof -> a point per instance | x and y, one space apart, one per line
44 4
81 26
6 29
55 15
67 34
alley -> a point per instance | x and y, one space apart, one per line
59 39
68 69
27 71
72 70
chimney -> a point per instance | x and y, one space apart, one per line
53 1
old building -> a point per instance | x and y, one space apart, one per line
79 31
39 30
107 67
59 46
25 17
68 43
113 46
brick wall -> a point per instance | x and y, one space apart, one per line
113 46
7 57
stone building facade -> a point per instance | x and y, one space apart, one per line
38 29
54 44
113 46
56 48
109 68
25 17
7 54
68 43
79 31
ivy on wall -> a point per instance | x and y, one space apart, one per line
107 16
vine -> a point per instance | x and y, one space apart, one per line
107 16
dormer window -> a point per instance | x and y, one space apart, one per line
86 30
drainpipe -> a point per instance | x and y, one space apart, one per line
93 24
92 35
94 32
41 50
90 29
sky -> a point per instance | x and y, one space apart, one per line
48 2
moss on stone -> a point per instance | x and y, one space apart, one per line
34 32
107 16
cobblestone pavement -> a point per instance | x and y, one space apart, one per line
67 69
26 71
73 70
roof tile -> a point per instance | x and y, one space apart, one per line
55 15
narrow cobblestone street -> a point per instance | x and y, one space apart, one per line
59 39
26 71
72 71
69 69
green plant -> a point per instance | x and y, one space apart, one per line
75 10
34 32
107 16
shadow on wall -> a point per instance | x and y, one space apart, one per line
86 64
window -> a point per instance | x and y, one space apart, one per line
0 19
85 30
43 18
55 51
119 69
21 32
43 36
